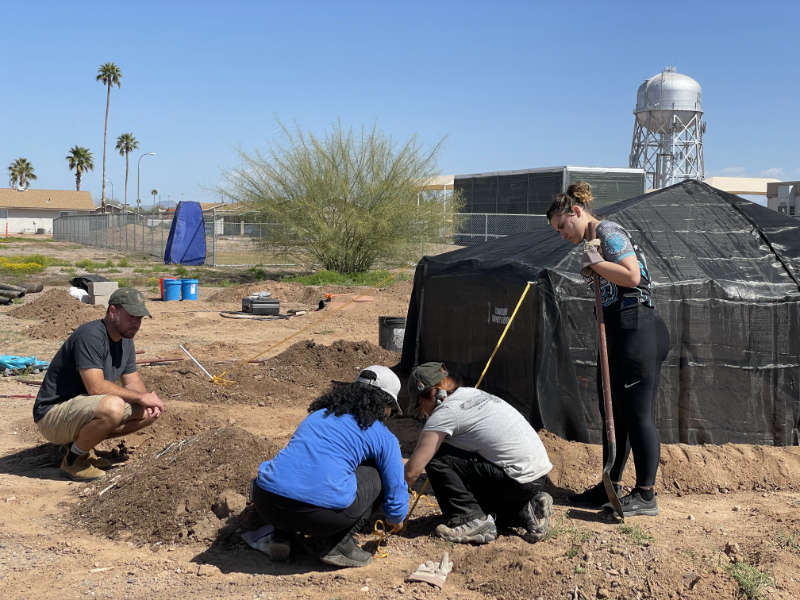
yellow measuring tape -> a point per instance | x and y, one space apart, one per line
380 527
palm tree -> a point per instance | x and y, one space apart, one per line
126 144
80 160
109 74
20 173
154 192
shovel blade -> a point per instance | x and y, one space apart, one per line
608 484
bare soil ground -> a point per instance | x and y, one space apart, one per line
165 522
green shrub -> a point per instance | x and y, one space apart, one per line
325 277
181 271
123 282
123 262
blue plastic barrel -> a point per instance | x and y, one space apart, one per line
188 289
172 289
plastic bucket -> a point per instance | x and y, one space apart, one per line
161 284
391 331
188 289
172 289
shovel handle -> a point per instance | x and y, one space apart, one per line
602 348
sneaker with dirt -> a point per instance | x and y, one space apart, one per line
280 546
477 531
535 517
634 505
346 554
593 497
81 469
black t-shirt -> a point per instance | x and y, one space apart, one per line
89 347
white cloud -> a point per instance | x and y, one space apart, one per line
775 172
733 172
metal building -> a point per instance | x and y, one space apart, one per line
668 129
506 202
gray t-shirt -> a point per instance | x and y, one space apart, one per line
479 422
89 347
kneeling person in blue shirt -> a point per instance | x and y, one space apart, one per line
341 461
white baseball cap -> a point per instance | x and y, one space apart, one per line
383 378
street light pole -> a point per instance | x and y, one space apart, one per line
139 180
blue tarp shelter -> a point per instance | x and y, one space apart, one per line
186 244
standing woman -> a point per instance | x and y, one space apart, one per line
637 342
341 462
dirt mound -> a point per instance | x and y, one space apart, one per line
684 469
58 312
305 364
286 292
167 496
310 364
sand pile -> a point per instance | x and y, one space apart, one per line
185 492
305 364
58 314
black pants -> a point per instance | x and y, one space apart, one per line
467 486
293 516
638 343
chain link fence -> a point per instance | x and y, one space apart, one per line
233 241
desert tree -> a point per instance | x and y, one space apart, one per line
21 173
109 74
80 160
347 199
126 144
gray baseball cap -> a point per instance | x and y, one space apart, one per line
132 300
425 376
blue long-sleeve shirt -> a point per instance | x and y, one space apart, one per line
318 464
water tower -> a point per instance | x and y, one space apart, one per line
668 130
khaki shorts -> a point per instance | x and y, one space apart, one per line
63 421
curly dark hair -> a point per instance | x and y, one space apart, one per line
364 402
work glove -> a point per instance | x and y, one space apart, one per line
433 572
591 256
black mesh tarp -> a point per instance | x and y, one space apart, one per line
726 277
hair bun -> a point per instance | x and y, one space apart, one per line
582 192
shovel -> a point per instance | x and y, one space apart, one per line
609 411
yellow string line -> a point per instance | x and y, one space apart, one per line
379 528
503 335
331 313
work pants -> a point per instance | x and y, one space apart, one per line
467 486
292 516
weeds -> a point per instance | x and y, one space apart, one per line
181 271
124 282
27 264
787 541
577 537
368 278
123 262
636 534
750 579
90 265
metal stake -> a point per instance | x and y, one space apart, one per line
202 368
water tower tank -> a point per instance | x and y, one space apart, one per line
667 138
667 94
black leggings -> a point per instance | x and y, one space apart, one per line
638 343
293 516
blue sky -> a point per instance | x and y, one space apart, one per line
509 85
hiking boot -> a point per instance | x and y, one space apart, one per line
82 469
535 517
99 461
593 497
477 531
633 505
346 554
279 547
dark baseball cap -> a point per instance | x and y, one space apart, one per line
132 300
426 375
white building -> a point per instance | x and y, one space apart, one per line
784 197
33 211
